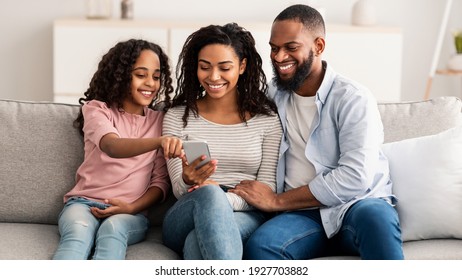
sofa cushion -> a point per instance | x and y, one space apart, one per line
427 180
39 242
435 249
40 153
404 120
22 241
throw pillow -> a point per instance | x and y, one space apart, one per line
427 180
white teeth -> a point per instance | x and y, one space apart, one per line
286 67
146 92
215 86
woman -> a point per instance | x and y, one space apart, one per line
221 98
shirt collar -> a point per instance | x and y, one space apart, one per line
327 82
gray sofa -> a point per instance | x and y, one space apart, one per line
40 151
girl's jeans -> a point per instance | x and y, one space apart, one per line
203 225
81 232
370 230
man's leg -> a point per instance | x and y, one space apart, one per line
371 229
292 235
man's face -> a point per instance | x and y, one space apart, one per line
291 54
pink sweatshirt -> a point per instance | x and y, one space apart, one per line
101 177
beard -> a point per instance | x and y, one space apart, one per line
301 74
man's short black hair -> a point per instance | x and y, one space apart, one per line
308 16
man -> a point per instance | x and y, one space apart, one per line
334 189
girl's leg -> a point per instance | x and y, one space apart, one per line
77 227
207 212
116 233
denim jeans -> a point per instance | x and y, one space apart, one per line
81 232
370 229
203 225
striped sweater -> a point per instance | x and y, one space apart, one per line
244 151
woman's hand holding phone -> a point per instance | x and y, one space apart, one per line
197 176
201 167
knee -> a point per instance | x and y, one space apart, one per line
210 195
76 227
211 192
376 213
112 226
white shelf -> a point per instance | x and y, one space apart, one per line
370 55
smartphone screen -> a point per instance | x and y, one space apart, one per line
195 149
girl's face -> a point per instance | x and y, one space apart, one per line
219 69
145 82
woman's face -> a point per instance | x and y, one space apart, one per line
219 69
145 82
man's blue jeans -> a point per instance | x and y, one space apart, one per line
81 232
370 230
202 225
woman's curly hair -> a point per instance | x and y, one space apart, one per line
252 87
112 80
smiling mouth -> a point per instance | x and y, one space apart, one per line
215 87
286 67
147 93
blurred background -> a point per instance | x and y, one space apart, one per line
26 29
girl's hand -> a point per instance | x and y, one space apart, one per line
172 147
197 176
117 207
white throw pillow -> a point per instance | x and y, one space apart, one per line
427 180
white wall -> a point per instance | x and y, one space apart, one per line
26 32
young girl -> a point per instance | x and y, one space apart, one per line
124 169
221 98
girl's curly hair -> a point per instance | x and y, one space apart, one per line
111 81
252 87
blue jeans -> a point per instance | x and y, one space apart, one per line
81 232
203 225
370 229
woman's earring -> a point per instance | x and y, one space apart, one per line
201 91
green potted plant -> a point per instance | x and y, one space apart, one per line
455 62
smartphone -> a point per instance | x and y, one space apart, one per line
101 205
195 149
225 188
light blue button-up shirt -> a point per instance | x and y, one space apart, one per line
344 147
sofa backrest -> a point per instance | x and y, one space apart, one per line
41 150
40 153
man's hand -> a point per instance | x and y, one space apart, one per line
262 197
256 194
